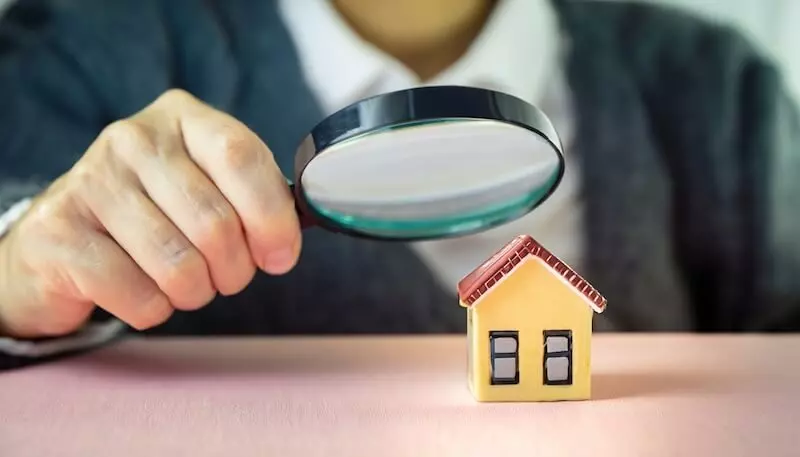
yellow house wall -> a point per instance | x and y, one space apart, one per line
470 351
530 300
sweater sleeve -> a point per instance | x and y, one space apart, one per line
67 69
747 280
773 131
756 151
730 134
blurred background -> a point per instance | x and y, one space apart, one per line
769 24
735 182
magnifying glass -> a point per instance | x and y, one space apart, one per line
426 163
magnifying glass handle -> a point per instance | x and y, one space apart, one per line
306 220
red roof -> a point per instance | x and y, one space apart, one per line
477 283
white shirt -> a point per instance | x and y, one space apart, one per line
518 52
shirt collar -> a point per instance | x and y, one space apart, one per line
516 52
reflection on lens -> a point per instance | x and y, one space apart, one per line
432 179
453 222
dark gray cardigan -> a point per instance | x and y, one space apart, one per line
688 142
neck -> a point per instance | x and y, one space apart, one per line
425 35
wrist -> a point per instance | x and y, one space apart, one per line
8 220
10 297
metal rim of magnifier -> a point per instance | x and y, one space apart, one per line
411 107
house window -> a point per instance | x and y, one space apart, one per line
504 347
557 357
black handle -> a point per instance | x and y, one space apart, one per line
306 220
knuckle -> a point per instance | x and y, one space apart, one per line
172 248
185 279
127 131
218 225
48 225
45 218
179 263
187 282
174 95
61 198
239 149
86 180
129 137
83 173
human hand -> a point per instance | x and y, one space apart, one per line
164 210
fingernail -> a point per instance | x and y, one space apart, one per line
279 261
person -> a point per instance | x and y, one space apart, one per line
144 149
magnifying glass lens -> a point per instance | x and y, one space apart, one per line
432 179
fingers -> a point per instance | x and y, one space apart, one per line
154 243
244 170
60 266
165 209
199 211
103 272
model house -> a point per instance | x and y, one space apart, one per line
529 321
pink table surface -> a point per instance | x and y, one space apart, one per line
654 395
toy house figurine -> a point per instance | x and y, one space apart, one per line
529 326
